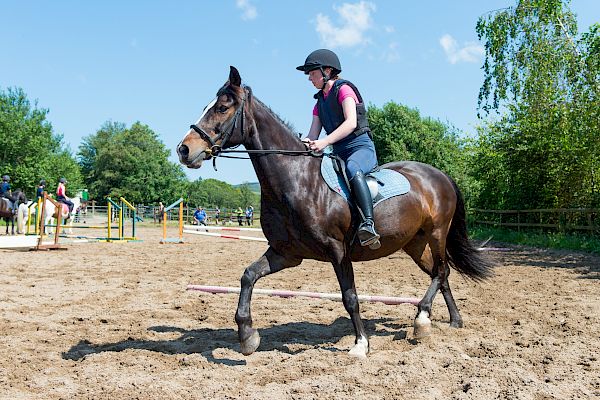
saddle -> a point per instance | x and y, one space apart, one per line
383 183
62 211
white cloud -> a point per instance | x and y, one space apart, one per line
355 21
469 52
248 10
392 54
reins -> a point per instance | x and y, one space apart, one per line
308 153
217 150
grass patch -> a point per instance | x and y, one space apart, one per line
551 240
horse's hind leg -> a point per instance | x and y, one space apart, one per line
268 263
455 318
345 276
429 254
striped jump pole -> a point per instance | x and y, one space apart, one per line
257 239
315 295
133 215
165 239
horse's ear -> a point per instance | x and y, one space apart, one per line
234 76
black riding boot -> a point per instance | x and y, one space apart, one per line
362 195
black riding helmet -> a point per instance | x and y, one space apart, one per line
320 59
62 180
43 182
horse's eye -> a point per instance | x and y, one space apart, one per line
222 109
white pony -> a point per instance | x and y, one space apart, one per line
22 214
64 215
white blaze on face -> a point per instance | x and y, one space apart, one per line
191 131
208 107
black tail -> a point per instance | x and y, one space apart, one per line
461 254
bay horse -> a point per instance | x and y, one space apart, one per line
302 218
7 213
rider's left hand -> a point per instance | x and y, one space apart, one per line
317 145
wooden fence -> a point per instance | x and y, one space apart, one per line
559 219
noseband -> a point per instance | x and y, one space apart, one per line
223 134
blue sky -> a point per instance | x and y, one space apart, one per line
161 62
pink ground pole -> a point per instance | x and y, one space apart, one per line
314 295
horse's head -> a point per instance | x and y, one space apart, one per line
20 196
222 124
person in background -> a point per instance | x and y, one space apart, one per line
240 216
200 216
217 215
249 215
39 192
160 212
61 194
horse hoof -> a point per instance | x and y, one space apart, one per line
422 326
249 345
456 324
360 349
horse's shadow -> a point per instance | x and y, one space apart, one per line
291 338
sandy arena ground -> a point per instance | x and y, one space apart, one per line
114 321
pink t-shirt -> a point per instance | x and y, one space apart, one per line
60 191
345 91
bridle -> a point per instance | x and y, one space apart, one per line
224 134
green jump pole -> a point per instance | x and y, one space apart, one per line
118 207
132 208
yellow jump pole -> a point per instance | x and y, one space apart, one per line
39 214
42 212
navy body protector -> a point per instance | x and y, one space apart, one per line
331 113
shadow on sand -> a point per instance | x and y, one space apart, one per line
281 337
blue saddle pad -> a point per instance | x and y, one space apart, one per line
391 183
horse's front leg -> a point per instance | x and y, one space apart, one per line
268 263
345 276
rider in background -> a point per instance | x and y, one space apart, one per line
61 194
340 110
39 193
5 190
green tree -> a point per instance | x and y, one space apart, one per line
129 162
400 133
211 193
30 150
543 81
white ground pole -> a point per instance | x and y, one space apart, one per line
20 242
257 239
219 228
